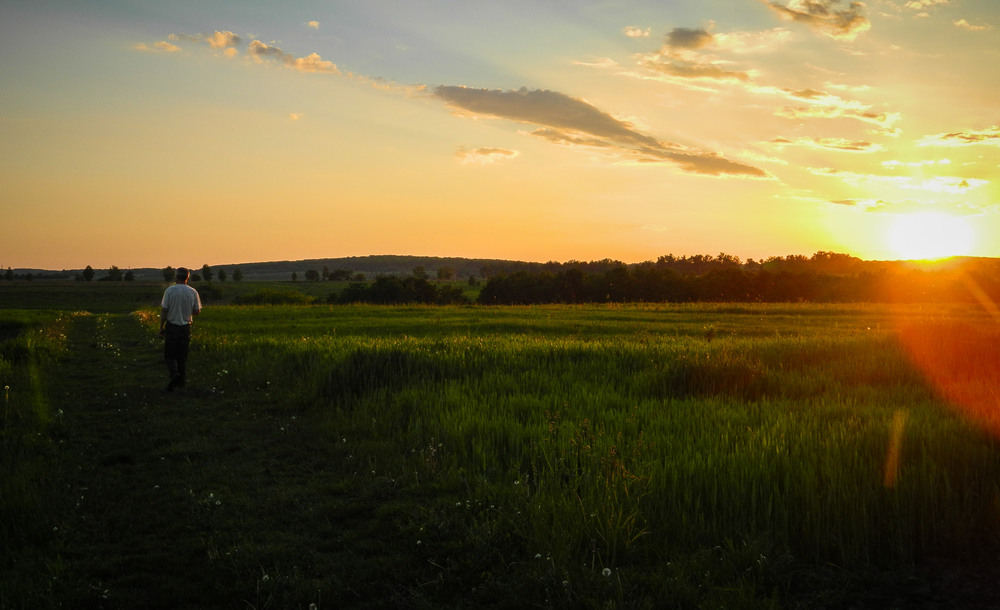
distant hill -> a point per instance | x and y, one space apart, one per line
370 266
482 268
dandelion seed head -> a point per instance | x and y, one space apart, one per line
606 571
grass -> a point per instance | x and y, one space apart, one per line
632 456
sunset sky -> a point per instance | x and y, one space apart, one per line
145 133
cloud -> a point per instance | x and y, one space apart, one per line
934 184
687 38
162 46
260 51
751 42
893 163
919 5
699 54
221 40
825 16
685 55
636 32
543 107
840 144
866 204
313 63
710 164
313 25
295 116
823 105
567 120
898 206
484 156
558 118
557 137
217 40
990 136
965 25
690 69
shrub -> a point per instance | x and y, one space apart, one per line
273 297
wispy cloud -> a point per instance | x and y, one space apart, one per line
990 135
543 107
868 205
636 32
162 46
312 25
825 105
569 120
825 16
216 40
484 156
919 5
901 206
559 118
839 144
893 163
714 60
965 25
697 53
262 52
933 184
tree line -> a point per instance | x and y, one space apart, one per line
824 278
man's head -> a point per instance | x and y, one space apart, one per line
182 275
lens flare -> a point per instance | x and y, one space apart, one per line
960 358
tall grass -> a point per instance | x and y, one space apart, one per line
646 442
29 342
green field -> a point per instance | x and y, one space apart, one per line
638 456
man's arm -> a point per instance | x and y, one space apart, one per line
163 319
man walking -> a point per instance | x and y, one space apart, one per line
180 304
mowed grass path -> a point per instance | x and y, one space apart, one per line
201 499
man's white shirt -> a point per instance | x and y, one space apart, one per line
180 301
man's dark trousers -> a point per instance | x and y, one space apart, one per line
176 341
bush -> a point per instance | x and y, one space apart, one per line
273 297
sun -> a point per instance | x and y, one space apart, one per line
930 236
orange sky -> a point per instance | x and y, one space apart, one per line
154 134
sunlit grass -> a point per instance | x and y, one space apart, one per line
593 456
753 421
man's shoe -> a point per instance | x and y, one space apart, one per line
174 382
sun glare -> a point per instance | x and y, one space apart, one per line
930 236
